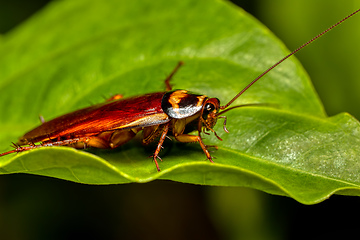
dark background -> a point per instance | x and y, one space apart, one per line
34 207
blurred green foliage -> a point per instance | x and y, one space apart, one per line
332 62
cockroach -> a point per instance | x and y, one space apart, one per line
116 121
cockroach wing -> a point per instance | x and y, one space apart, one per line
134 112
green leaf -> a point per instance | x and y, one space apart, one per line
74 53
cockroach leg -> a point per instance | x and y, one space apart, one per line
159 146
31 146
150 133
187 138
224 124
42 119
167 80
16 150
19 148
212 146
120 137
115 97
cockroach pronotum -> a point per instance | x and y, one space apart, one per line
157 115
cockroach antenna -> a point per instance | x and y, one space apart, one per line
286 57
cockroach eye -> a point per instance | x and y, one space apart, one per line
208 108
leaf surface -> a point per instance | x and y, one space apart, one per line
74 53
